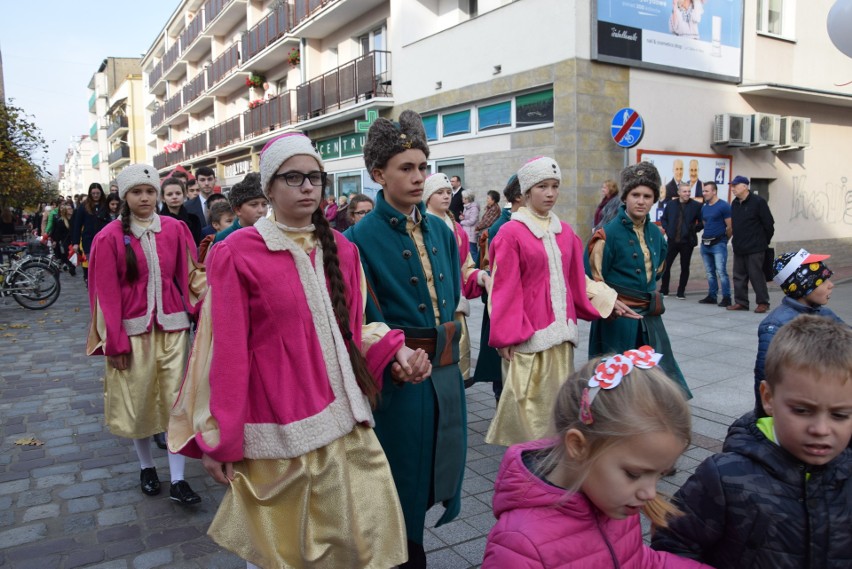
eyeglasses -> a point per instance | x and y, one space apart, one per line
361 212
297 179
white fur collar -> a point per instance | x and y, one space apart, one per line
528 218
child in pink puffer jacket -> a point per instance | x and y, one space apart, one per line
574 501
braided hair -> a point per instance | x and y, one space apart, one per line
331 265
131 266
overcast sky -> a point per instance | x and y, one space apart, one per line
52 48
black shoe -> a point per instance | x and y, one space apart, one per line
664 293
681 297
181 493
160 439
671 472
150 482
468 383
726 302
72 271
709 300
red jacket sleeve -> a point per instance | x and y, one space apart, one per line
575 277
105 293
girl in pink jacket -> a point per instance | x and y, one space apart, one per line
574 501
142 283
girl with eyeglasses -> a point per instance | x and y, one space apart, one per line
278 394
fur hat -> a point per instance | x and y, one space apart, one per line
434 183
279 150
246 190
641 174
137 175
386 139
537 170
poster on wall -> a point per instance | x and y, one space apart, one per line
690 37
694 169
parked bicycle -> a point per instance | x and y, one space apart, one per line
31 281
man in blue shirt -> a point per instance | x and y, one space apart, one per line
716 216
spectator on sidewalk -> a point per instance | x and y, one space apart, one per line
804 278
468 221
681 221
753 228
716 217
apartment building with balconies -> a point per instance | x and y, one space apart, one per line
501 81
116 92
77 172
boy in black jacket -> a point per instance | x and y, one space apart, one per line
780 494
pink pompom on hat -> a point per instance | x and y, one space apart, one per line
279 150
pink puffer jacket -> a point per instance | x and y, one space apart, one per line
538 528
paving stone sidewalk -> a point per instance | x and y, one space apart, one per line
75 500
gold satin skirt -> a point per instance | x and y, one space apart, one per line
464 346
137 400
530 385
334 507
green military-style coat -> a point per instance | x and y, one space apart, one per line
423 427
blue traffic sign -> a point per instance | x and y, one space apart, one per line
627 127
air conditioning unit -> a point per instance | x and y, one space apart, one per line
765 130
795 133
732 130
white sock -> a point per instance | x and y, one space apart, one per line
176 466
143 451
250 565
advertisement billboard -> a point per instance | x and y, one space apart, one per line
691 37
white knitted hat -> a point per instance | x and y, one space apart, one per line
434 183
536 170
279 150
137 175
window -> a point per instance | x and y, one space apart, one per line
534 108
348 183
430 124
375 41
776 17
456 123
495 116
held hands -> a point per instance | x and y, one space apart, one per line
487 283
120 362
222 472
411 366
622 310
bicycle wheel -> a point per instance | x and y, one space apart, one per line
36 286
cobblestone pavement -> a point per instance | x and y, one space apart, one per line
75 500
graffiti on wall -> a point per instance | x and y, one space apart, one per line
832 204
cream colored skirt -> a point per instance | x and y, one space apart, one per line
335 507
137 400
530 385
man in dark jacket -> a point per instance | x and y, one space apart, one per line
780 493
456 202
681 221
753 228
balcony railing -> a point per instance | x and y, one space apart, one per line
267 32
304 8
174 104
166 159
195 87
119 153
274 113
171 57
117 124
93 131
223 65
158 117
362 78
155 75
212 8
192 31
96 159
225 133
196 146
92 100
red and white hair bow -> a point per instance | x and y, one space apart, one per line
610 372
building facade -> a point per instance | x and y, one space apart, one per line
77 172
501 81
117 116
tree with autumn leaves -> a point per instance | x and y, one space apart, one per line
24 180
